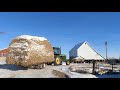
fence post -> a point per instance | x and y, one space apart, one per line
93 71
112 67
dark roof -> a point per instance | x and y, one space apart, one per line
76 46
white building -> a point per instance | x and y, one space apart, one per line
84 51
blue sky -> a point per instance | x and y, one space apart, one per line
65 29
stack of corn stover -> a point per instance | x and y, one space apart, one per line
30 51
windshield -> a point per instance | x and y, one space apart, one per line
56 50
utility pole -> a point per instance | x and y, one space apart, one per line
106 43
93 70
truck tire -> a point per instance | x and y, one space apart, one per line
31 67
57 60
49 63
43 65
67 62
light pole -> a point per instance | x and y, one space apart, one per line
106 43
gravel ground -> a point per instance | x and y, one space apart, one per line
50 71
13 71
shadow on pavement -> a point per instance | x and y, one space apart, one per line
12 67
109 75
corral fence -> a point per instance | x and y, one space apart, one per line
108 66
98 66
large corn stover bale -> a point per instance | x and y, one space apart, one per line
26 50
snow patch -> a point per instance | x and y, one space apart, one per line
79 57
19 45
31 37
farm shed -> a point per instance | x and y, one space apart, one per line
4 52
83 51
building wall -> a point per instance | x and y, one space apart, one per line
4 52
87 53
73 53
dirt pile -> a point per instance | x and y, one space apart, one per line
60 74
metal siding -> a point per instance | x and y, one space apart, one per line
86 52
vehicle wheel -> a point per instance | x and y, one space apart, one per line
68 63
31 67
43 65
49 63
57 60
